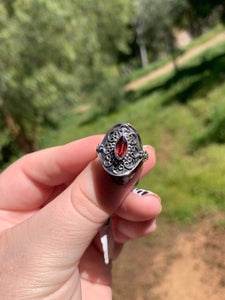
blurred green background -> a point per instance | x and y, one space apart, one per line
64 73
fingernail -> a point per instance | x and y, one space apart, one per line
154 225
142 192
149 146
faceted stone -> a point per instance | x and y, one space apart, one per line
121 146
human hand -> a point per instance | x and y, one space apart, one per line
52 205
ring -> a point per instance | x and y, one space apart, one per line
121 152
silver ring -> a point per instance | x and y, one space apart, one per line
121 152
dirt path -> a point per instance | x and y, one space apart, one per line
180 60
175 265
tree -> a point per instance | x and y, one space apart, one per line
156 18
203 8
203 14
53 54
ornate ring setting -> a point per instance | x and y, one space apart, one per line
121 152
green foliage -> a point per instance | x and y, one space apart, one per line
208 34
53 55
110 95
170 113
204 14
190 183
157 19
215 127
160 14
220 224
203 8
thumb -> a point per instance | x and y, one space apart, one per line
77 214
57 236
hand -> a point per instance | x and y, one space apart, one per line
52 205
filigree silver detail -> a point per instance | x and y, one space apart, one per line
133 156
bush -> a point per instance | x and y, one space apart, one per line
109 95
215 127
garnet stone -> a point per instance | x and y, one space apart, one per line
121 146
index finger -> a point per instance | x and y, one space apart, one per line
31 180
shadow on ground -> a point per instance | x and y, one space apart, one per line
191 83
194 81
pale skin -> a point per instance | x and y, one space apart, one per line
52 205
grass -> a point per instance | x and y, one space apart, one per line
177 114
206 36
220 223
151 67
171 114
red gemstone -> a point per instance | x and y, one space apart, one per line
121 146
